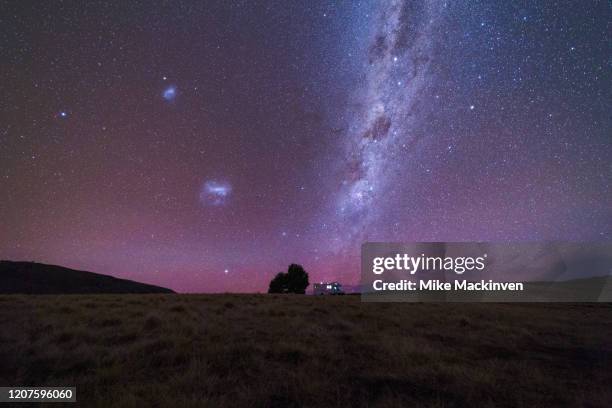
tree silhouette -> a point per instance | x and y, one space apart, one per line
294 281
297 279
278 284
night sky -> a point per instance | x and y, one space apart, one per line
205 146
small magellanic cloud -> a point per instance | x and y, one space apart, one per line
170 93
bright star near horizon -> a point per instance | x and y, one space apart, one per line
63 114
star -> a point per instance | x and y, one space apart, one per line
63 114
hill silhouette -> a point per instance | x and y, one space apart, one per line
37 278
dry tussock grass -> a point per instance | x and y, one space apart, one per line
283 351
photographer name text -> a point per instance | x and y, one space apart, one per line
437 285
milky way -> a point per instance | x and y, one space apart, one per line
399 57
205 146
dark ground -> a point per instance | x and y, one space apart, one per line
290 350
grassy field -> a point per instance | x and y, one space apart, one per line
279 351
